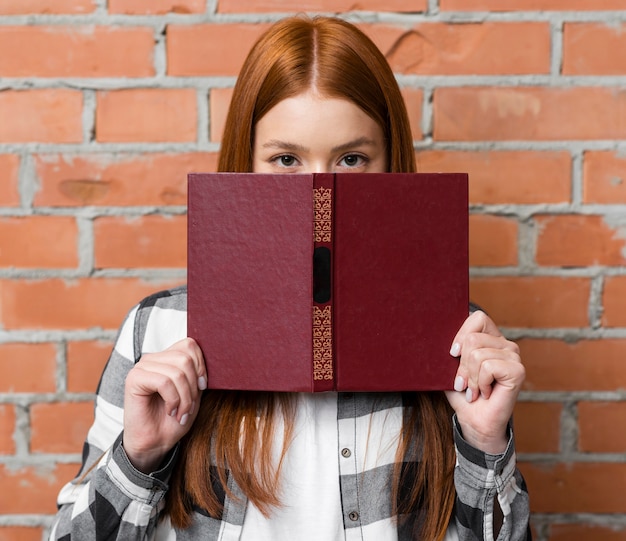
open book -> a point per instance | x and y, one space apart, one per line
320 282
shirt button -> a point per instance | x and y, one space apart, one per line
354 516
345 452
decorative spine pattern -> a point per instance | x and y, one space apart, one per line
322 314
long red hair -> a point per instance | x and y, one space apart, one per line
334 57
235 429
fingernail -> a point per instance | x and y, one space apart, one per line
455 349
468 395
183 419
202 383
174 412
459 383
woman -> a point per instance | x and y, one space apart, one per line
166 460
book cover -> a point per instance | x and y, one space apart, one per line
321 282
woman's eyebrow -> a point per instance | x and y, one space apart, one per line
361 141
284 145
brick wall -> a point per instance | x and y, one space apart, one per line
104 107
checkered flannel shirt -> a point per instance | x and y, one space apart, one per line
115 501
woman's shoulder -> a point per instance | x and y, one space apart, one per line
160 320
168 299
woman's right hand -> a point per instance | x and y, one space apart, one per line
161 400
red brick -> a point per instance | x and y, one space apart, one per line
146 114
39 241
59 427
221 49
9 169
586 532
585 365
531 5
45 7
20 362
414 99
41 115
613 295
85 363
149 241
541 301
484 48
335 6
537 427
492 241
156 7
218 110
7 429
585 47
533 530
604 177
209 49
579 241
117 179
528 113
76 51
33 489
496 177
87 303
597 423
20 533
576 487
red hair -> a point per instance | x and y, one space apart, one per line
327 54
236 428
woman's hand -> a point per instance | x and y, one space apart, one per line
161 400
487 382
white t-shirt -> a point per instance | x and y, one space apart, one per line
309 482
310 491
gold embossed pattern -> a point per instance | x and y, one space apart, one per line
322 344
322 324
322 206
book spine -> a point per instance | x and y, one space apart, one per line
323 358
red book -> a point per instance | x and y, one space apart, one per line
319 282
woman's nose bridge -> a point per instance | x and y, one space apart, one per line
321 166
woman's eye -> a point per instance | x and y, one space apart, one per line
353 160
286 160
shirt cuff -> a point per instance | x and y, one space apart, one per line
474 459
148 488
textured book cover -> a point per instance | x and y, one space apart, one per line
320 282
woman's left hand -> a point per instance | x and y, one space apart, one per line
487 383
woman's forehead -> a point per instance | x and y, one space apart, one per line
311 116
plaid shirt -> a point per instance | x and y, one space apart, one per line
115 501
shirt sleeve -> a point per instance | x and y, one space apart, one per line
481 480
109 498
